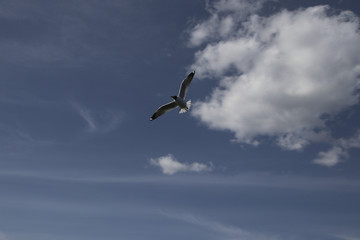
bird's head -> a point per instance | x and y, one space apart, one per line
174 97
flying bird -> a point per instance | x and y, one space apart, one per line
179 100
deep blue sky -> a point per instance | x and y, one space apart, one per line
79 158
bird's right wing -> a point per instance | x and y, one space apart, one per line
185 84
163 109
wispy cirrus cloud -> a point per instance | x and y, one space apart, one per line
98 121
223 231
169 165
279 75
253 180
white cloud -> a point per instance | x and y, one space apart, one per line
338 151
352 142
292 142
279 75
331 157
224 15
169 165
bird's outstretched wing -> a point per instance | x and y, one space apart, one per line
185 84
163 109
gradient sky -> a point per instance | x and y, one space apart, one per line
269 150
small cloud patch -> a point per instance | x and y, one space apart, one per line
169 165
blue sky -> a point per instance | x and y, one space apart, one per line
268 151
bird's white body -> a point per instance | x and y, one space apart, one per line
184 106
180 102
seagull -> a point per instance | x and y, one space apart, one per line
179 100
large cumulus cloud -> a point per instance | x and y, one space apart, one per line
279 75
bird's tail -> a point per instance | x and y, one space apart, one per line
188 104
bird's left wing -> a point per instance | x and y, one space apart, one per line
163 109
185 84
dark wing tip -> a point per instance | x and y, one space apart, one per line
153 117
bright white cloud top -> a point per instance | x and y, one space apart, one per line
279 75
169 165
217 26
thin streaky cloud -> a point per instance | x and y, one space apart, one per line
223 231
255 179
15 139
88 117
345 237
103 121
